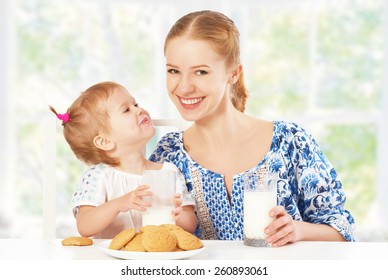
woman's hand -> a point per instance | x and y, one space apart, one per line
283 229
178 205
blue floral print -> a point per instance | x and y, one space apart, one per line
307 185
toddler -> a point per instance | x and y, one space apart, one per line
108 130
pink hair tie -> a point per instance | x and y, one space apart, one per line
64 117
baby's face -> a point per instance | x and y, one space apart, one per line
131 125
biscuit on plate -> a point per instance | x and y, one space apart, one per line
171 227
187 241
158 239
122 238
149 227
135 244
77 241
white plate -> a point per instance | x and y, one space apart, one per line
128 255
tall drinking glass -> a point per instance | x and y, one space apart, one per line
162 184
260 196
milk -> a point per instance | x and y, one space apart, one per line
158 216
162 184
256 213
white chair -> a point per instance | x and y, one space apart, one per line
49 180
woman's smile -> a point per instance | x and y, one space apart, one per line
190 103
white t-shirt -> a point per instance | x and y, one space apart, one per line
101 183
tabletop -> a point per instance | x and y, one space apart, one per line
29 249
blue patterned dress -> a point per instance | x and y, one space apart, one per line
308 186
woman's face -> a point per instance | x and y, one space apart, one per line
197 78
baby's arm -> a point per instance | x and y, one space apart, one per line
91 220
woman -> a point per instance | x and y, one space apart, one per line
205 82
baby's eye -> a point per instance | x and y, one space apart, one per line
201 72
136 104
126 110
172 71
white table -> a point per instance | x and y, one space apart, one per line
27 249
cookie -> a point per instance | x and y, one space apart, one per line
171 227
77 241
135 244
149 227
158 239
122 238
187 241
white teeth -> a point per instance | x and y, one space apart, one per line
191 101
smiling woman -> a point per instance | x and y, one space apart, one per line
319 63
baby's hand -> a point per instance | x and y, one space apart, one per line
178 205
134 199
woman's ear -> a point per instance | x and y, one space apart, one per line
103 143
235 74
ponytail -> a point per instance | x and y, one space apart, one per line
239 94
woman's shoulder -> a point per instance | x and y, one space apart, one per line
292 134
290 131
287 127
167 147
171 138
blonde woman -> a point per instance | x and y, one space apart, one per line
205 82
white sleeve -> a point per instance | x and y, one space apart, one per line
90 189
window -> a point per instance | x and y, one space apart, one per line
318 63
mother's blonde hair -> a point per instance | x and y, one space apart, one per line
220 31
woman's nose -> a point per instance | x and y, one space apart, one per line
185 86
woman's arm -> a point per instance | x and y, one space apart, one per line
321 197
285 230
187 219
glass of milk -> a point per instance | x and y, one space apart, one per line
260 196
162 184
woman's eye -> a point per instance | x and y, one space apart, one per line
172 71
201 72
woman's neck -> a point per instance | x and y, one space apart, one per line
216 129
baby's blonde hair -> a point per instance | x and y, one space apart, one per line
88 118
